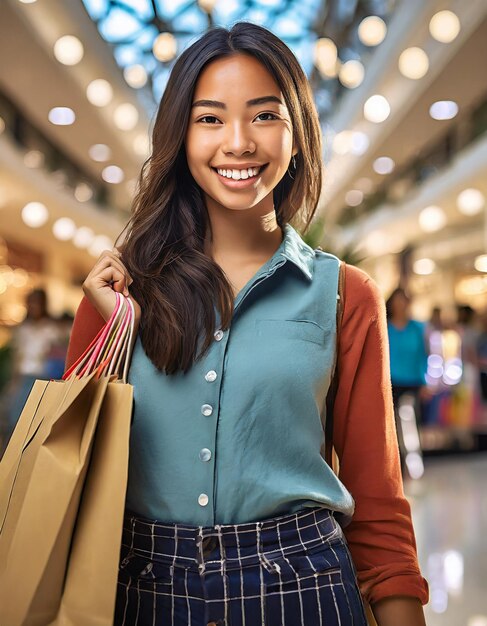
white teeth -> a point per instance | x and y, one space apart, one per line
239 174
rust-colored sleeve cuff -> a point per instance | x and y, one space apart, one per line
413 586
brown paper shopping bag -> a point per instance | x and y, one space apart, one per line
44 498
91 580
44 528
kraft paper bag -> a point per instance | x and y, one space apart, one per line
62 488
44 401
43 499
26 424
91 580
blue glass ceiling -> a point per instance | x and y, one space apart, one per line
130 27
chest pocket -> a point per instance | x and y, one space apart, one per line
302 330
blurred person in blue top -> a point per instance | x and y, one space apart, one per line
407 349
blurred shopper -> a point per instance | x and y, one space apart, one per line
468 391
56 357
469 334
232 353
31 343
407 349
481 356
435 324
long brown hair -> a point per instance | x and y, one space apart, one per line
175 283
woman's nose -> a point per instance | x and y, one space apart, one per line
238 140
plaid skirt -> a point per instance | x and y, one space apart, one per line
292 570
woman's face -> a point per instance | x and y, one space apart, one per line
400 305
239 120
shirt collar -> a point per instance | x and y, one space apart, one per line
293 248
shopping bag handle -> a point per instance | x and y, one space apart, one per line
80 366
110 351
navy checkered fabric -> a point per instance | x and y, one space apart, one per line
292 570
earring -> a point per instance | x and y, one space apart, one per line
294 167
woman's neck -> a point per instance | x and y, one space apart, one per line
233 240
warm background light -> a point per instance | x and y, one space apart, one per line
34 159
68 50
354 197
444 26
64 228
83 237
99 92
142 145
326 57
83 192
100 152
351 74
35 214
432 218
135 75
99 244
383 165
413 63
424 267
165 47
372 30
470 201
126 116
377 109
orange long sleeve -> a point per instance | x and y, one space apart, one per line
87 323
381 536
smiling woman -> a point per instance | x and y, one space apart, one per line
224 131
232 514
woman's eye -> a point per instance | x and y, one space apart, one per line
208 119
272 116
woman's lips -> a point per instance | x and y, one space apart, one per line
243 182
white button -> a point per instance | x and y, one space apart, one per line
218 335
207 409
203 499
205 454
210 376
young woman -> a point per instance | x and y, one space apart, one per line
233 517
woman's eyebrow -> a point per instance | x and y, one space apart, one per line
221 105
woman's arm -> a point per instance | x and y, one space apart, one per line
87 323
380 536
399 611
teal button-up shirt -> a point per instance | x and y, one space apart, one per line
239 438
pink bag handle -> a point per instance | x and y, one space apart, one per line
111 349
95 346
114 319
119 353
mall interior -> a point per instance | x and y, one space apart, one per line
401 91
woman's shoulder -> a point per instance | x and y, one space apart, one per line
360 290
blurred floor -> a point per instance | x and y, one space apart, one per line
449 506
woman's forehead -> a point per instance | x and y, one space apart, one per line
236 75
